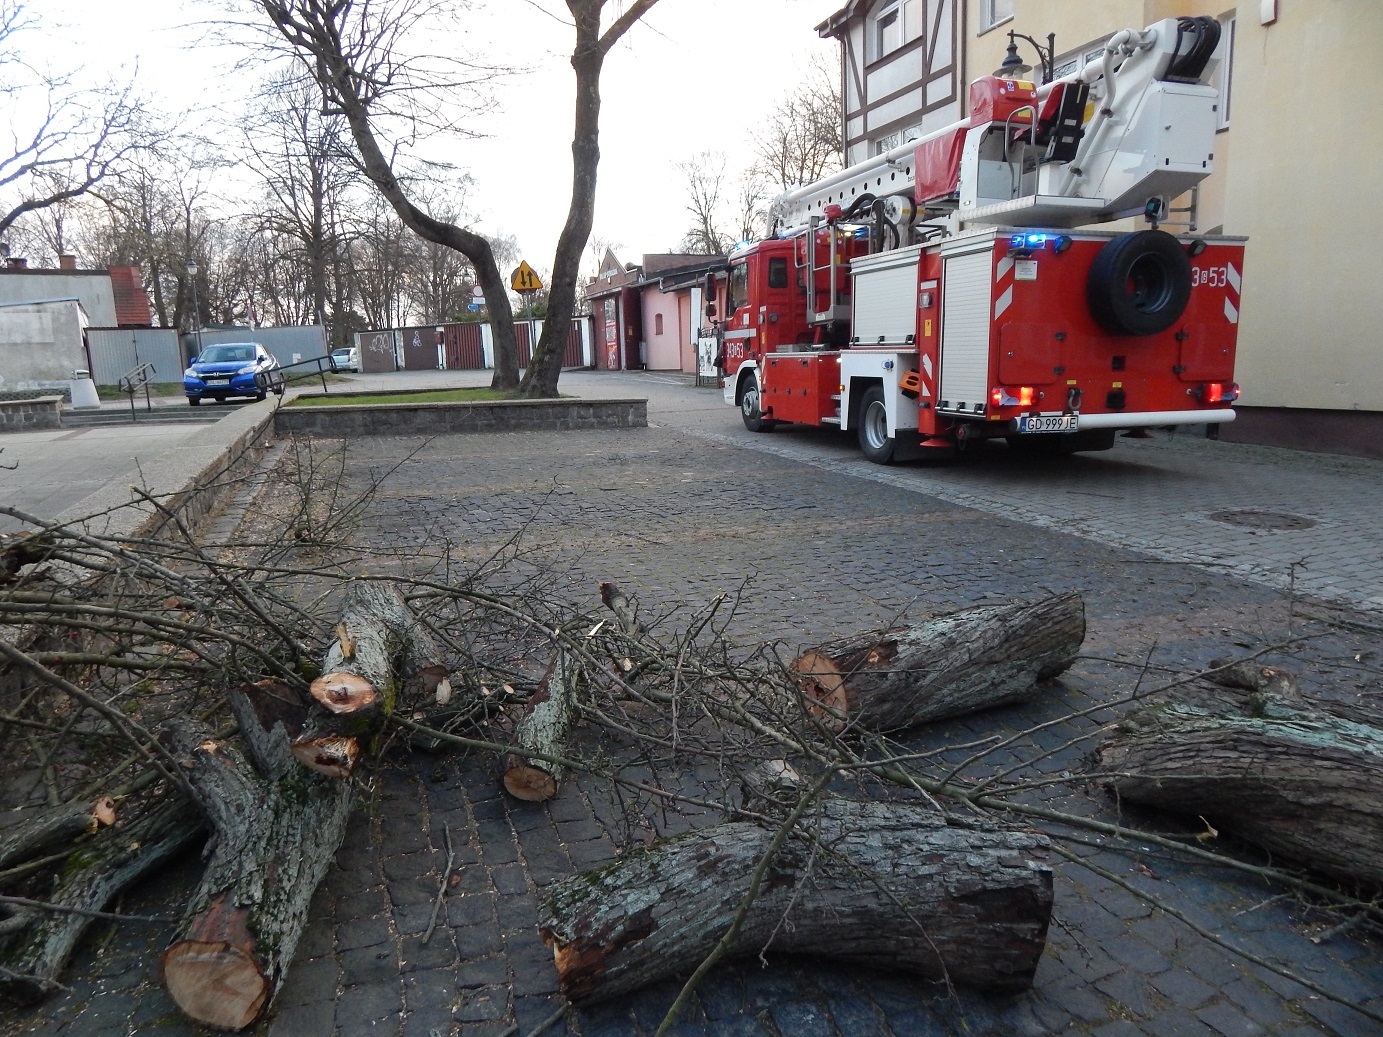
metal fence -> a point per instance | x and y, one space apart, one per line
116 351
462 347
290 345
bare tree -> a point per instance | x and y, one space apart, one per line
300 157
800 140
354 51
62 140
707 190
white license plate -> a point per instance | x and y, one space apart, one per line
216 379
1048 423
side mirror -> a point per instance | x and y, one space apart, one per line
710 309
192 360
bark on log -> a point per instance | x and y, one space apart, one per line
363 675
897 887
974 659
544 726
276 833
49 829
146 833
1302 783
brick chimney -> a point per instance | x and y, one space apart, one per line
67 261
16 263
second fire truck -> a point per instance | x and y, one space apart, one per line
953 289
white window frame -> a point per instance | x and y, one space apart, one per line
992 14
1224 74
894 18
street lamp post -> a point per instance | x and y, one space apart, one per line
196 315
1013 65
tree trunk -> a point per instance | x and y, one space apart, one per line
896 887
50 829
1304 784
276 833
547 720
147 833
974 659
381 651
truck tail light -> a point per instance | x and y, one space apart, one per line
1012 395
1216 392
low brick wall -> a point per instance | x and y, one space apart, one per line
401 419
27 415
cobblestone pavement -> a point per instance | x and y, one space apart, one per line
817 543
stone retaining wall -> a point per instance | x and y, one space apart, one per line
396 419
27 415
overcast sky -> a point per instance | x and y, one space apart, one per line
695 78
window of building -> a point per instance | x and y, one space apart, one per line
992 12
1223 79
895 23
887 143
657 324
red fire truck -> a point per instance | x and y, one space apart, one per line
953 289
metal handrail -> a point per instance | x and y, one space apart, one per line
135 379
318 362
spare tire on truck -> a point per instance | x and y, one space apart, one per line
1139 283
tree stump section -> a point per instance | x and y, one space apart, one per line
146 833
547 720
1303 783
978 658
381 651
277 829
896 887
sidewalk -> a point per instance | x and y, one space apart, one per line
812 542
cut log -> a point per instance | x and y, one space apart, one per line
546 721
148 831
382 654
277 830
1303 783
46 830
978 658
897 887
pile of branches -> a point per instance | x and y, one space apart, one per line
154 691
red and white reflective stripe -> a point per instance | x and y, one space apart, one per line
926 372
1232 293
1003 271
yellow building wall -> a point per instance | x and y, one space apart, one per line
1306 151
1305 131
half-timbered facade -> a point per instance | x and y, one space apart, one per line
902 71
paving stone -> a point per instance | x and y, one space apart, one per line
309 982
1225 1018
362 932
1118 1028
1176 1022
310 1020
478 941
438 952
480 972
1183 989
483 1003
369 965
1128 991
1341 1020
369 1003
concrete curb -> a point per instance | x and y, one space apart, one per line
489 416
190 480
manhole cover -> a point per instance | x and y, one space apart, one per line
1263 519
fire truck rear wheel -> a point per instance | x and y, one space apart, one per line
750 410
1139 283
875 442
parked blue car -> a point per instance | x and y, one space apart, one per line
232 369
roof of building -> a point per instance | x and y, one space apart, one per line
131 301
